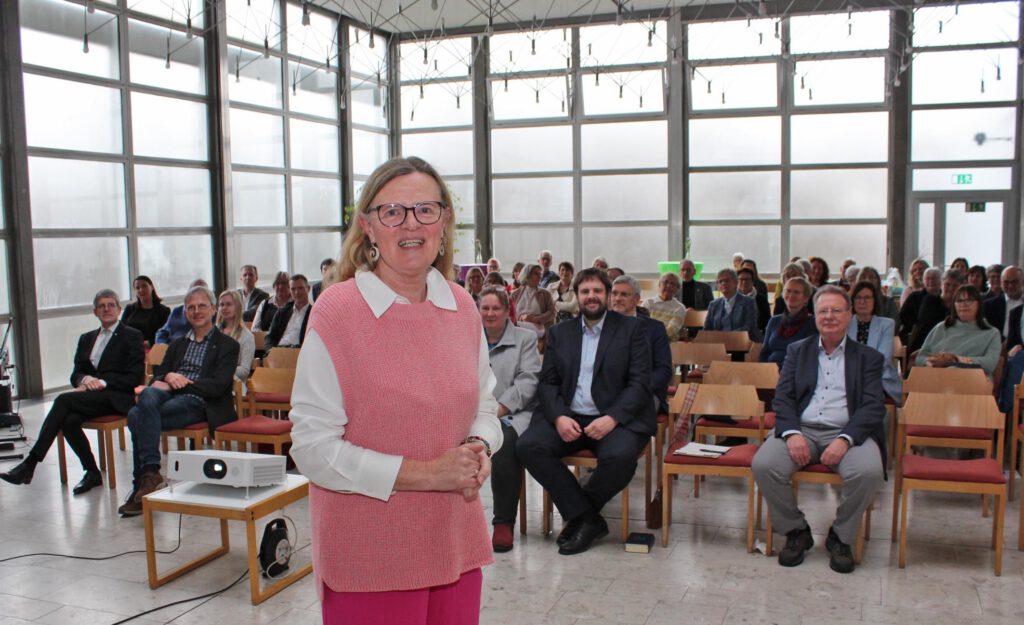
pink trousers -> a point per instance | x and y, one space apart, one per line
457 603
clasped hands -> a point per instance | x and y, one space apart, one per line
172 381
464 468
946 359
569 429
800 451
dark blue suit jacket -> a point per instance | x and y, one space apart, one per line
622 372
661 360
864 394
742 317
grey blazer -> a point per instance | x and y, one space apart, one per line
516 365
880 337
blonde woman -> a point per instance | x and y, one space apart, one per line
229 320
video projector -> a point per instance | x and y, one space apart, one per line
226 468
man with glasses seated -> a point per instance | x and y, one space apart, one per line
191 385
289 326
829 410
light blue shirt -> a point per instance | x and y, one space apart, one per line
827 408
582 401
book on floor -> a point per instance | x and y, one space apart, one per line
701 450
639 542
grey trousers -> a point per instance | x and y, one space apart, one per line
860 468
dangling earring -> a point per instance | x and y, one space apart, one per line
440 251
374 253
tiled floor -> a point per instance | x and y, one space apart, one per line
704 576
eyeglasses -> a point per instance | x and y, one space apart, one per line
864 298
825 312
964 302
393 215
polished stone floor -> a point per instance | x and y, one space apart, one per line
704 576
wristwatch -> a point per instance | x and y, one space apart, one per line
477 439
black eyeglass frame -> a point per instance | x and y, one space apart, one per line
407 210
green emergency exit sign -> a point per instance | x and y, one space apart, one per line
975 207
959 179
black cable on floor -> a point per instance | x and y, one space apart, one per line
207 596
97 558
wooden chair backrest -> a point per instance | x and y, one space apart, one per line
261 339
949 380
728 400
969 411
697 353
760 375
156 354
734 340
277 381
754 355
694 318
281 358
898 350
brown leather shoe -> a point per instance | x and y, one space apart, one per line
148 483
502 538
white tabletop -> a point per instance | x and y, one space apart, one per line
224 496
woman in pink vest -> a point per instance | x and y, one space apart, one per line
394 420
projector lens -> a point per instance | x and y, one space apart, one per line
215 469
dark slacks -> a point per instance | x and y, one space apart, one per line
506 478
66 416
541 449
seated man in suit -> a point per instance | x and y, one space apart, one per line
177 323
829 409
1014 367
624 300
109 363
730 312
289 326
594 394
998 308
692 293
191 385
252 297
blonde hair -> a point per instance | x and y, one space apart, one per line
355 251
235 329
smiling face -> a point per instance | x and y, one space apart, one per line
107 310
533 280
832 316
281 291
593 298
475 281
727 285
226 309
565 274
409 250
745 284
795 297
199 311
864 302
143 292
249 278
494 315
624 299
668 287
299 290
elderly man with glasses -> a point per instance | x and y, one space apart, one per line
191 385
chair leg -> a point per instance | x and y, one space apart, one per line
522 502
750 513
1000 512
546 514
896 508
120 434
666 509
164 443
696 486
1020 530
1013 465
903 527
108 437
769 534
625 513
62 460
102 448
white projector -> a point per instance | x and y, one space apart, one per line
226 468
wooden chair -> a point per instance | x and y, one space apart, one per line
586 459
261 339
105 427
154 357
736 341
716 399
281 358
197 433
983 476
822 474
899 354
762 376
253 429
688 357
694 319
270 389
754 355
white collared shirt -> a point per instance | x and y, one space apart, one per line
1011 304
318 410
292 335
102 340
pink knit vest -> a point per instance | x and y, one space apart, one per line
410 385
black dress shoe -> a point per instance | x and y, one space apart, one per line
841 560
569 531
589 532
21 474
797 542
90 480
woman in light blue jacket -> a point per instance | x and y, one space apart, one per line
871 329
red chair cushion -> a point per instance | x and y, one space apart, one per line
586 453
110 418
816 468
750 424
945 431
738 456
695 374
273 398
257 424
982 470
672 390
202 425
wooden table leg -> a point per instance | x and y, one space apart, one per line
258 595
156 580
147 518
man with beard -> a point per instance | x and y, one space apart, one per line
594 394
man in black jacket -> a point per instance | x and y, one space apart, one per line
594 394
191 385
693 293
252 296
289 326
109 363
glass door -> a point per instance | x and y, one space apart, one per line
948 229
